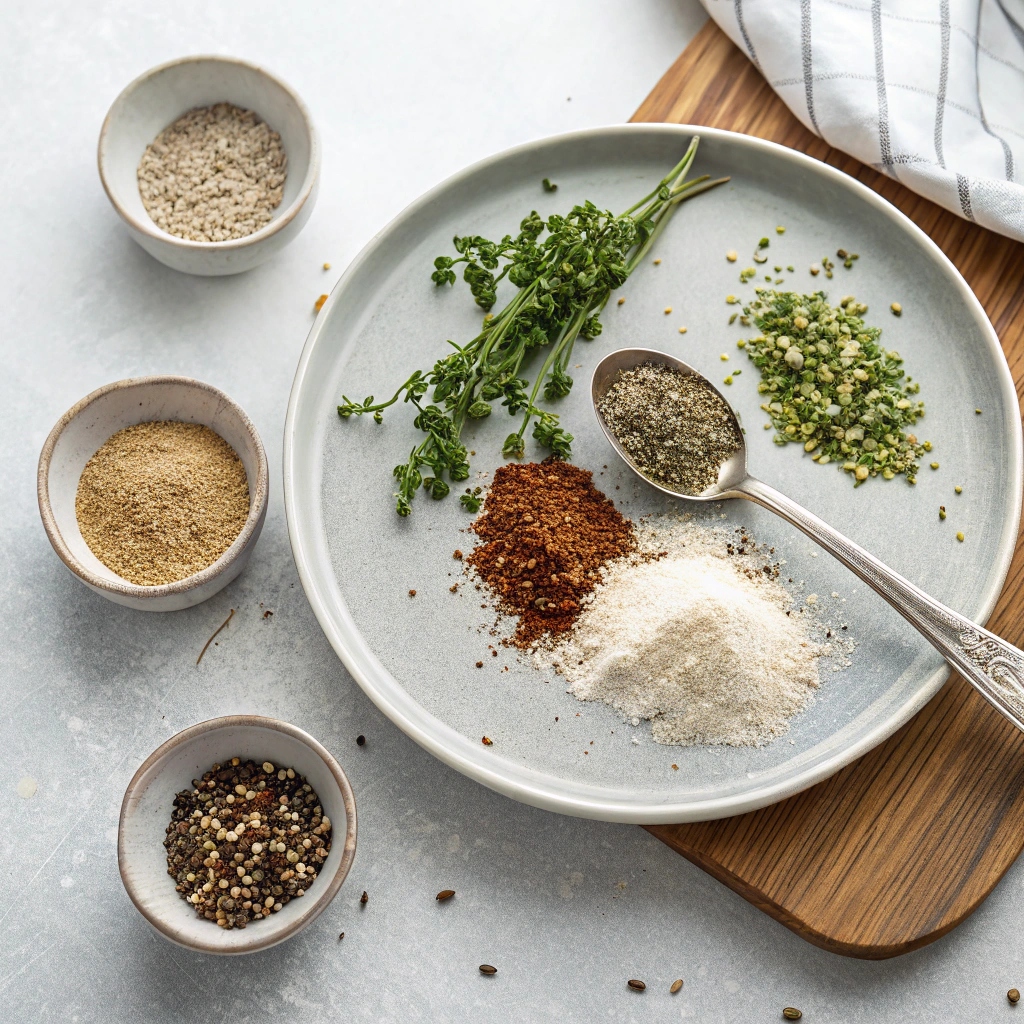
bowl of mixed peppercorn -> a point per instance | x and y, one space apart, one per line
235 834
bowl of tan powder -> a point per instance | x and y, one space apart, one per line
153 491
212 163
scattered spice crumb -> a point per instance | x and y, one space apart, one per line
360 740
364 898
453 589
479 664
457 554
318 305
412 593
675 767
487 741
267 614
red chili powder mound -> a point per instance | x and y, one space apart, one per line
546 532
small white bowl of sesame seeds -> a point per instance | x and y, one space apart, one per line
230 163
171 769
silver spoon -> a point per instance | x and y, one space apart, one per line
994 667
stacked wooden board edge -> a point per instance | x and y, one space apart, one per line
898 848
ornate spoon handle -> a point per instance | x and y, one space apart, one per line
994 667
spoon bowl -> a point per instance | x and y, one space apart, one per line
993 666
731 473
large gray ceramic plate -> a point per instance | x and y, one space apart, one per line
415 657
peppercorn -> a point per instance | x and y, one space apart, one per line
265 843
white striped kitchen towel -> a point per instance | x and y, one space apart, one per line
931 92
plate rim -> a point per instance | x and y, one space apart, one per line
612 809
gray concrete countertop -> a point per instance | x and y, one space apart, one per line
403 94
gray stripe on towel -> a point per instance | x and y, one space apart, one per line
940 100
808 61
884 141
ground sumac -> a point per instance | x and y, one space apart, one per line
546 531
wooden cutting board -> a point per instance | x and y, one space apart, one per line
899 847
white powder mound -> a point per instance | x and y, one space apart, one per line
698 641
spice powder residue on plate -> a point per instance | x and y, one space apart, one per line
547 531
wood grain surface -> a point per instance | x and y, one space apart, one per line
899 847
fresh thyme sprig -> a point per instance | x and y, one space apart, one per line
564 280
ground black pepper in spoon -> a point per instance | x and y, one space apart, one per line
677 430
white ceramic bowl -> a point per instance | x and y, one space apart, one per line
149 802
87 425
159 97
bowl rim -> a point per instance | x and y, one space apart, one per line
316 905
257 509
148 227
